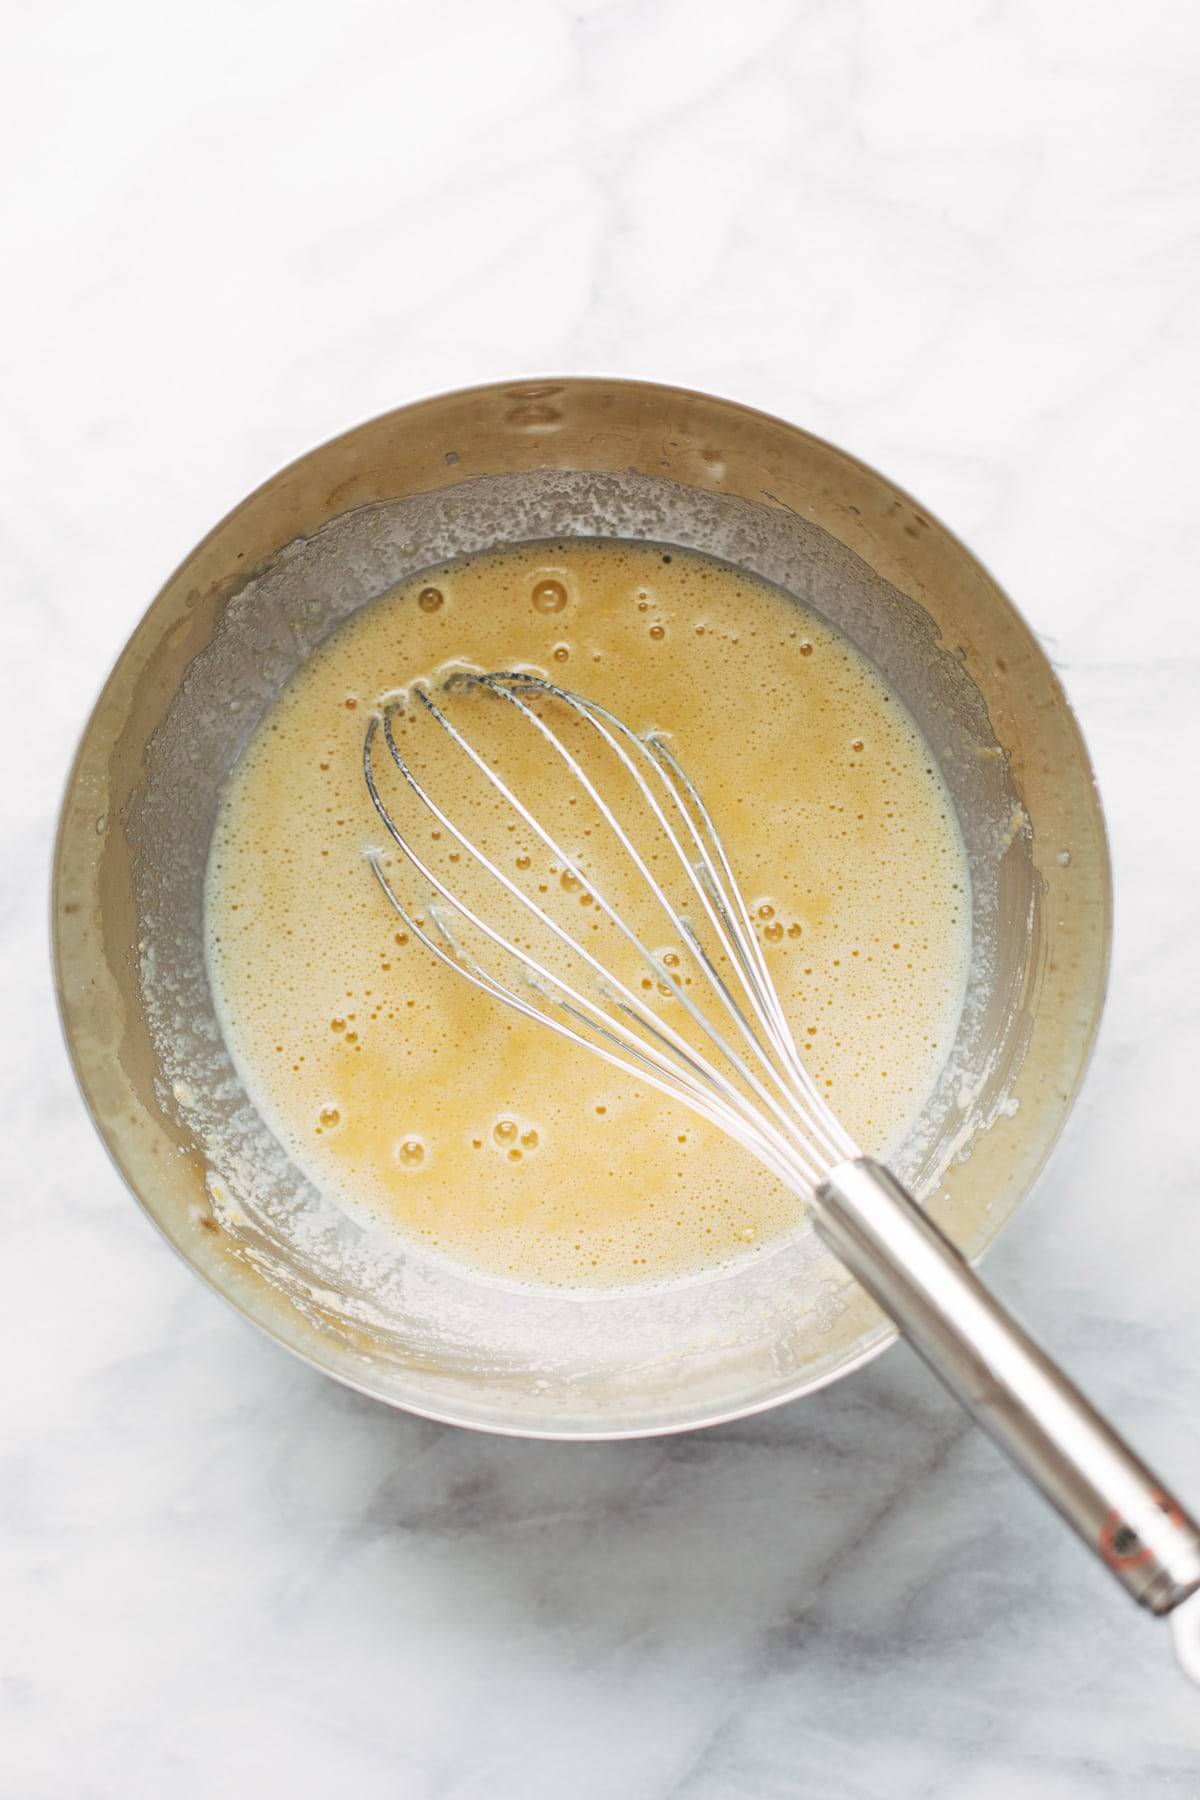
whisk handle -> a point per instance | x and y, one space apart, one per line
1122 1511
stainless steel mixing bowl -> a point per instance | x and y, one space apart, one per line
454 474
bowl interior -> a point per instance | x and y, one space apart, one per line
208 661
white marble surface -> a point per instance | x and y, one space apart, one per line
962 239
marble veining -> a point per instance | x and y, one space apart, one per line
958 237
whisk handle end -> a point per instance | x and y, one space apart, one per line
1025 1403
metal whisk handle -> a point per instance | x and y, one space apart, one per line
1022 1400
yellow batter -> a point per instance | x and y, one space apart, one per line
405 1093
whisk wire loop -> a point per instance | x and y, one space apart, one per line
612 731
761 1094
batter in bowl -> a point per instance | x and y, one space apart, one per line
415 1100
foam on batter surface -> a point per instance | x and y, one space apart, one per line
412 1098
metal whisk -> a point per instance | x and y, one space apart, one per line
723 1046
